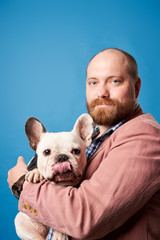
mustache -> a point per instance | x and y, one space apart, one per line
101 101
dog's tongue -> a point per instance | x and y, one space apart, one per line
61 167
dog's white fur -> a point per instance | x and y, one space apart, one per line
56 151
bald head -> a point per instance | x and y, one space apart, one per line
122 56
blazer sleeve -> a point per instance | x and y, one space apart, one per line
125 180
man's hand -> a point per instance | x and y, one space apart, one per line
16 172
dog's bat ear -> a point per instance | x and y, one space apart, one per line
34 129
84 128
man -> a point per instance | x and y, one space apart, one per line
119 197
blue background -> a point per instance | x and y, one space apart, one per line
44 50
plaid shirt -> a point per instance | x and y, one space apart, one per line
96 142
51 234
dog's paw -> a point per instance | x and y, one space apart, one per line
59 236
34 176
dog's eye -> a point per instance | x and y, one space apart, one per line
47 152
76 151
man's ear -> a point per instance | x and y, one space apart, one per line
34 129
137 86
84 128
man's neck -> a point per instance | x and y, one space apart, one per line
103 129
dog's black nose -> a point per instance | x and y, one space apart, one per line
62 158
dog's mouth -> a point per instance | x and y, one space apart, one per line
62 167
63 172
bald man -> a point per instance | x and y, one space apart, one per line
119 196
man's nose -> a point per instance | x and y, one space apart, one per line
103 92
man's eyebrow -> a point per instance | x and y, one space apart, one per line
91 78
109 77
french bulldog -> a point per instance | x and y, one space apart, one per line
60 159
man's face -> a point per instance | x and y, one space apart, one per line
110 91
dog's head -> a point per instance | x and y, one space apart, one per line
61 156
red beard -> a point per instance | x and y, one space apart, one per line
112 114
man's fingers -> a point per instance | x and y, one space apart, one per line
20 160
17 171
21 163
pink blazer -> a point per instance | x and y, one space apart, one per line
119 197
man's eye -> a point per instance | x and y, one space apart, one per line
115 81
47 152
92 83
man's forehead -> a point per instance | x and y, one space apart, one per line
108 58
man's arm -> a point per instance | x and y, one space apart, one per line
123 183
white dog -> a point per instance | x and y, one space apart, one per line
61 159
